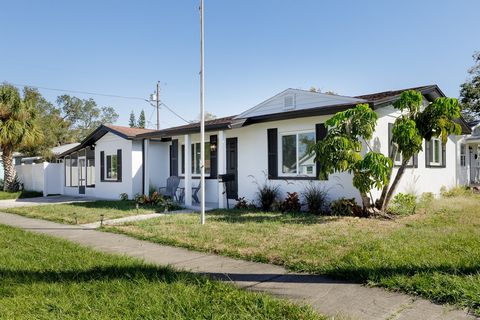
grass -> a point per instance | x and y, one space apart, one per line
20 194
434 253
86 212
47 278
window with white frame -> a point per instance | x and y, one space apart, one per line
111 167
195 159
463 155
435 152
295 160
399 158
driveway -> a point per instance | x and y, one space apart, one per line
13 203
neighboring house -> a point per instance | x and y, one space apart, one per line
17 159
268 141
56 151
469 160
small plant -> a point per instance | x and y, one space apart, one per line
151 189
426 199
123 196
346 207
164 204
403 204
291 203
315 198
455 192
267 196
241 203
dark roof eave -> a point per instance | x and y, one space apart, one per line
180 131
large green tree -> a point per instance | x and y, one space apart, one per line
141 120
18 128
55 130
342 150
84 115
132 122
412 127
470 91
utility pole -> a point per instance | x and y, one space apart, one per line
158 105
202 123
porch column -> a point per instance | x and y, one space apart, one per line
146 166
222 166
188 170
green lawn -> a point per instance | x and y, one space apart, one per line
19 195
86 212
47 278
435 254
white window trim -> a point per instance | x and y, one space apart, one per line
106 167
180 157
280 153
432 162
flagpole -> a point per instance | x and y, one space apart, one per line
202 122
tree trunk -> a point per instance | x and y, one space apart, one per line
381 200
9 169
394 185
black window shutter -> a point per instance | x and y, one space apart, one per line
174 158
183 158
444 155
102 165
119 165
213 156
320 134
272 142
428 147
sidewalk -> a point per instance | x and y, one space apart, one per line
330 297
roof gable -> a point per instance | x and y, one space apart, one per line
297 100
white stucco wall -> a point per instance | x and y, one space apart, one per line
43 177
109 143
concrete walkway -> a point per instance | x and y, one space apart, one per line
40 201
334 298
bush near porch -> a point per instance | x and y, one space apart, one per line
47 278
434 253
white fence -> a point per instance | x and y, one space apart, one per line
43 177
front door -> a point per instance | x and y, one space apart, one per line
232 161
82 175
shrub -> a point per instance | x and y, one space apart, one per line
267 196
346 207
164 204
241 203
426 198
403 204
455 191
291 203
123 196
315 198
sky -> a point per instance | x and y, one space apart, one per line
254 49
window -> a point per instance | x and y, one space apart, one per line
68 179
112 167
295 158
74 170
90 167
463 155
435 152
195 158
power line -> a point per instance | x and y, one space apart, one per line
77 91
179 116
99 94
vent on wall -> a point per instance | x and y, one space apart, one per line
289 102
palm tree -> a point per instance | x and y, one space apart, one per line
18 128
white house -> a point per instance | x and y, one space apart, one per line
268 141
